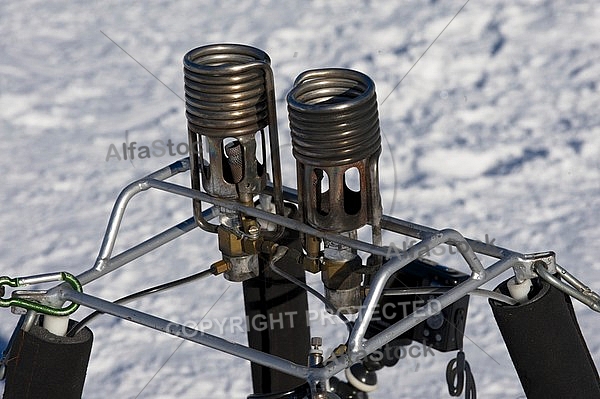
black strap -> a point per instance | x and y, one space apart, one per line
459 377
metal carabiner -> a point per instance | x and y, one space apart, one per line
571 286
39 279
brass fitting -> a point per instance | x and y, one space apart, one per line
219 267
312 246
229 243
312 265
341 275
343 283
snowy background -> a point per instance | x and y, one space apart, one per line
495 131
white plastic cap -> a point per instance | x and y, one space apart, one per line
519 291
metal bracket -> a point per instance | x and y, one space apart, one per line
525 268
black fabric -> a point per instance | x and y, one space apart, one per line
272 301
42 365
546 346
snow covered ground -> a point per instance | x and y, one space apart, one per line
495 131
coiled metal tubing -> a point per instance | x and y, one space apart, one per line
334 126
229 95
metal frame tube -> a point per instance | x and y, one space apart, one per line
104 262
355 353
358 346
187 333
441 302
415 230
387 271
270 217
143 248
116 216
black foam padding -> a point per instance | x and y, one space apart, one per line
546 345
277 320
42 365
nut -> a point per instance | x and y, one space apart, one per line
253 230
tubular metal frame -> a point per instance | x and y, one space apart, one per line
358 347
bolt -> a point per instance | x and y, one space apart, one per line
315 355
316 342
